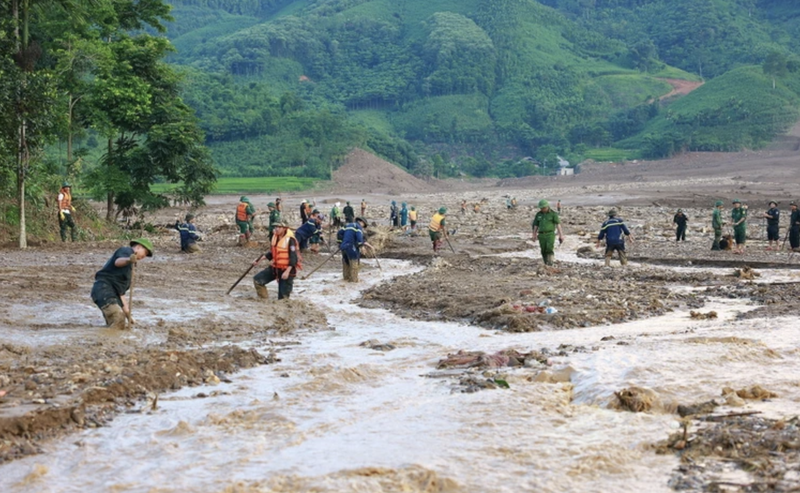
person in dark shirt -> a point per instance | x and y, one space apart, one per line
312 227
114 279
189 236
349 213
612 231
794 228
773 217
352 239
680 220
285 262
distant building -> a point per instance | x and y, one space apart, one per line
563 167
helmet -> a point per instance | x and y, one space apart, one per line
442 210
66 185
680 211
361 220
315 211
612 213
543 203
271 204
147 244
403 204
718 203
737 201
243 199
394 203
772 202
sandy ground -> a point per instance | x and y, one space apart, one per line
61 371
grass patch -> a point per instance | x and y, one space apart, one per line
629 90
611 154
265 184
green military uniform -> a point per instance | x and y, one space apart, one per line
546 222
739 230
716 224
274 217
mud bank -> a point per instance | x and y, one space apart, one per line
511 293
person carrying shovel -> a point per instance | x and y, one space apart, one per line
437 228
115 278
285 261
352 236
545 225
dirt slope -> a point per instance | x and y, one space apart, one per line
366 172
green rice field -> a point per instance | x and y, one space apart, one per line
266 184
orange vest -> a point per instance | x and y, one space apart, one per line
280 251
241 211
66 201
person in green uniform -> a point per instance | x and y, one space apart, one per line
545 225
739 218
716 224
244 219
274 217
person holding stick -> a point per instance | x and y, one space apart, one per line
115 278
794 228
285 262
437 229
773 217
352 236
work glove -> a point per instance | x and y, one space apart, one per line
61 215
133 259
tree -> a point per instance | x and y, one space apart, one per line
775 65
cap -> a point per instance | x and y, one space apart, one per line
304 201
394 203
442 210
315 211
66 185
719 203
189 216
612 213
771 202
793 203
145 243
680 210
543 203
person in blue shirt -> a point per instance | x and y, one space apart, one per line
351 239
393 217
612 231
773 217
189 236
310 228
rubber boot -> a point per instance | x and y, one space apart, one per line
345 271
608 261
261 290
623 258
550 259
354 266
715 246
241 241
114 316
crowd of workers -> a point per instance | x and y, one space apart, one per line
287 244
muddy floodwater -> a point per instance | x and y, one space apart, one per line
336 415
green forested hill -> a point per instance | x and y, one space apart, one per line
285 86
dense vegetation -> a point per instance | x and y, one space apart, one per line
73 67
125 94
481 80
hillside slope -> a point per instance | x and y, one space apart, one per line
492 80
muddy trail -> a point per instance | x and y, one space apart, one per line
368 375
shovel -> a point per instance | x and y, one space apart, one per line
129 315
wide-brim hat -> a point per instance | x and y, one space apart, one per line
147 244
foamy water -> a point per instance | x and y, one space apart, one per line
330 409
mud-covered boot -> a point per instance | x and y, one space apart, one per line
608 261
354 266
623 258
114 316
715 246
240 241
261 290
345 271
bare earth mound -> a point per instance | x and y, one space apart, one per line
366 172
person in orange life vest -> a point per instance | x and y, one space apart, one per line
65 211
244 219
285 261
